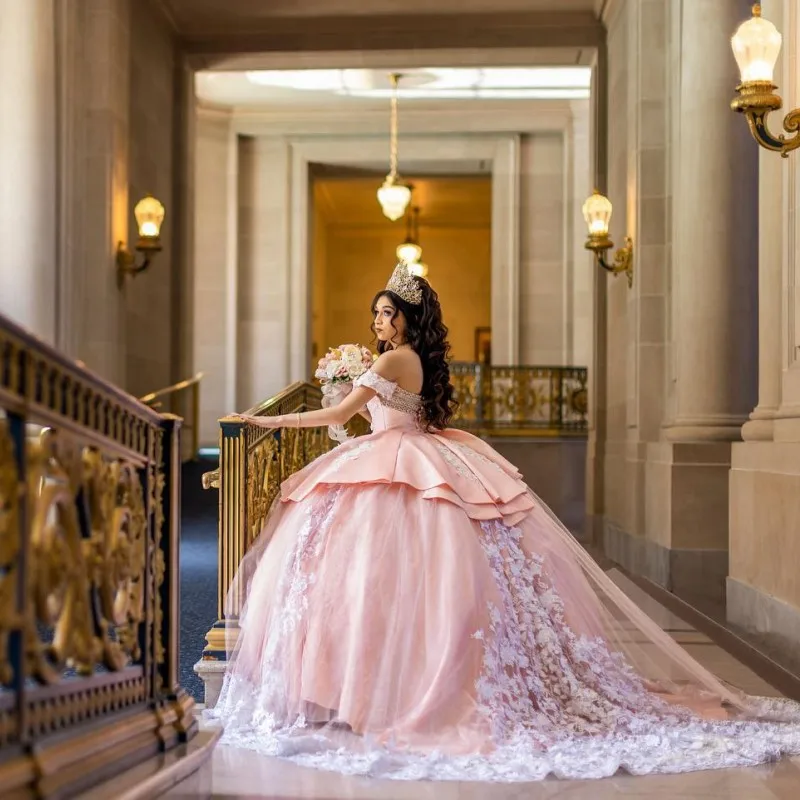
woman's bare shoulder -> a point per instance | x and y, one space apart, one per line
403 366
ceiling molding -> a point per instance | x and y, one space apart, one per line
398 32
468 119
400 59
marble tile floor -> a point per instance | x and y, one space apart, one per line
245 775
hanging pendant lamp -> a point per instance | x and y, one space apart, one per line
394 195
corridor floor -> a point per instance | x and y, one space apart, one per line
243 774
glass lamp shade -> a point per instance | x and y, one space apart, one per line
149 215
394 197
756 46
409 252
597 213
419 269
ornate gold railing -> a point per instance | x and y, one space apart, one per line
89 530
177 395
253 464
521 401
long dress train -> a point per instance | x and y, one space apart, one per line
414 611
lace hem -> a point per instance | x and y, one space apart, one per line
656 749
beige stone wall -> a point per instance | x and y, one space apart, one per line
543 291
80 145
28 144
151 320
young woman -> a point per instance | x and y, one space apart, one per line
413 610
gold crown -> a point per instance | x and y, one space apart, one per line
405 285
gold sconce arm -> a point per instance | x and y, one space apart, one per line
623 257
127 263
756 100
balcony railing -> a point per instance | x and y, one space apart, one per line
89 531
521 401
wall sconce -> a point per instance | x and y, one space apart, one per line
149 215
597 213
756 46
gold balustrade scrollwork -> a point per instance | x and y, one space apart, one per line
88 607
254 462
521 400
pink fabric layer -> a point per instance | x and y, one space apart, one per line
413 610
452 466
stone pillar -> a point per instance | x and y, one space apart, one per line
263 338
763 594
715 251
770 263
28 187
595 450
215 271
713 288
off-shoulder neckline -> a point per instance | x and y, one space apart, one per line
396 385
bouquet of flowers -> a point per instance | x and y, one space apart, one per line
336 371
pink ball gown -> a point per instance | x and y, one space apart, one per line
414 611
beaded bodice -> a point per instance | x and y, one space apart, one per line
390 402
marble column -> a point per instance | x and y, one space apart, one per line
214 286
712 304
715 278
28 274
770 264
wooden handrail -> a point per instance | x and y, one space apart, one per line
174 389
192 384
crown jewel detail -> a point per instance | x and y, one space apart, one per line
405 285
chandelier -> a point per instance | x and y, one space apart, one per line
409 252
394 195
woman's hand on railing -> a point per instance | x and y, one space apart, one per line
260 422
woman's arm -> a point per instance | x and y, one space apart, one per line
337 415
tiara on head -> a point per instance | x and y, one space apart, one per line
405 285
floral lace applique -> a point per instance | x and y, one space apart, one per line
456 463
472 453
353 453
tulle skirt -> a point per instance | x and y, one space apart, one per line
390 628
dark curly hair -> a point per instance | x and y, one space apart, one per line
426 333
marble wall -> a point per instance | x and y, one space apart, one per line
28 146
80 144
